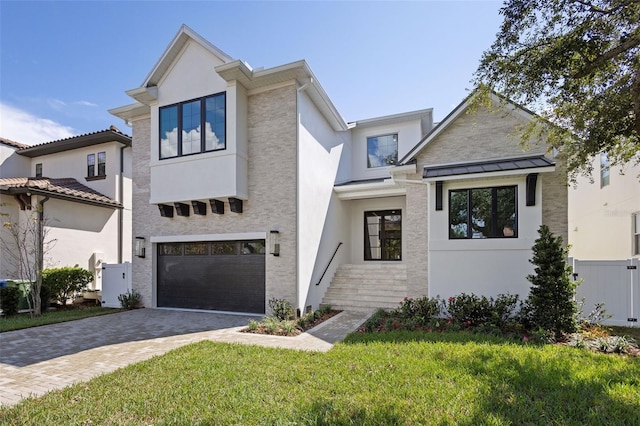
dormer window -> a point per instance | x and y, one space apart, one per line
182 124
382 151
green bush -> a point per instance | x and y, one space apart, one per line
469 309
418 311
65 283
130 299
282 309
9 298
551 298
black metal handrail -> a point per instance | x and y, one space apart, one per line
328 264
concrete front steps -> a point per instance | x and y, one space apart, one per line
366 287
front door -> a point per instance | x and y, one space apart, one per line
383 235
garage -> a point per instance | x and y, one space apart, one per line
212 275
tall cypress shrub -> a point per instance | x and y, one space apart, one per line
552 295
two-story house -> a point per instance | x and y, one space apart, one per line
249 185
82 186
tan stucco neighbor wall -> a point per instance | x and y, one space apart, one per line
271 204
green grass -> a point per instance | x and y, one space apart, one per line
373 379
625 331
20 321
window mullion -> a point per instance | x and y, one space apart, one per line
203 124
180 115
494 212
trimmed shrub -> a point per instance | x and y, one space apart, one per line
9 299
65 283
469 309
551 298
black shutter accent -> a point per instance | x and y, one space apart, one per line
532 179
439 195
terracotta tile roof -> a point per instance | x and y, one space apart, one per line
13 143
112 134
64 187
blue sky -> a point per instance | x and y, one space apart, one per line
64 64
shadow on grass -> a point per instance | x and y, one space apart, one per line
533 384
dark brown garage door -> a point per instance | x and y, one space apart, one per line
214 275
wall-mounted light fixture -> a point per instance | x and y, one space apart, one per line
274 243
140 248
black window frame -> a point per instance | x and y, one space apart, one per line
395 162
497 233
39 170
382 235
101 163
203 110
91 165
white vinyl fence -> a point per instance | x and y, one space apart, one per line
116 280
612 282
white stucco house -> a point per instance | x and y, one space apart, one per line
604 212
249 185
82 185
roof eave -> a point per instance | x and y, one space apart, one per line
75 142
57 195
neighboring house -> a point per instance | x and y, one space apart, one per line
604 212
83 185
249 186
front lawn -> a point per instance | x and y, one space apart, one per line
20 321
381 378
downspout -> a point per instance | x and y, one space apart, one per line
121 201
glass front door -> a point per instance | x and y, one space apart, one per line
383 235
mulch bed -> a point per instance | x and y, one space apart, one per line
262 329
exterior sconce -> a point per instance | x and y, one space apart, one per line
274 243
140 249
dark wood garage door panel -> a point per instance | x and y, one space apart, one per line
224 282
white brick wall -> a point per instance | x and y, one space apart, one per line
272 194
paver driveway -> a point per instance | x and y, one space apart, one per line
40 359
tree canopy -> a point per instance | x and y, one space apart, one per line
577 64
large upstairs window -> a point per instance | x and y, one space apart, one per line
483 213
382 151
193 127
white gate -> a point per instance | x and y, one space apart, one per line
612 282
116 280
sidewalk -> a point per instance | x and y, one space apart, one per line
36 360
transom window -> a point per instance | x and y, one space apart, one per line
193 127
383 235
382 151
483 213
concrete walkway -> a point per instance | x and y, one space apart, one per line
36 360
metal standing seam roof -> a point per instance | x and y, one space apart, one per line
66 188
487 166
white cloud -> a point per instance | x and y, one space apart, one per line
23 127
86 103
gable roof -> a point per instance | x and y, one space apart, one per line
112 134
13 144
452 116
181 38
61 188
230 70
